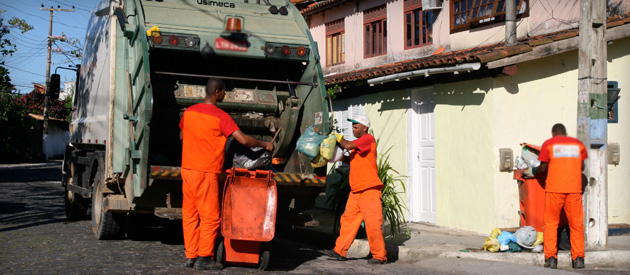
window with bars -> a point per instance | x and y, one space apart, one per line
418 24
468 14
375 27
335 43
343 110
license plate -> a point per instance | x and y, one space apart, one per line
230 45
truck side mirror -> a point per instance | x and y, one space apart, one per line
53 89
120 15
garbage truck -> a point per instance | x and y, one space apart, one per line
145 62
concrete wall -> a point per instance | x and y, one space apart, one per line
476 118
54 144
618 176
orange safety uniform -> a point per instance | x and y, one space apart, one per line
205 129
563 188
364 201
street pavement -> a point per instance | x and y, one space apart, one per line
36 238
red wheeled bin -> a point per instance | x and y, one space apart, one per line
531 193
248 217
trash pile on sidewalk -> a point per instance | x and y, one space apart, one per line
525 237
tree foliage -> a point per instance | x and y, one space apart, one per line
34 103
8 48
16 128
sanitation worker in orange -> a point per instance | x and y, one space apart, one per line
364 201
204 130
562 157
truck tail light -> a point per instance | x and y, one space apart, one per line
156 37
286 50
301 51
173 40
234 24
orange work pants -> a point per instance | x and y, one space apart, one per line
572 203
200 212
363 206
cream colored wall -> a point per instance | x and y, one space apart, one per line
619 176
476 118
464 155
388 115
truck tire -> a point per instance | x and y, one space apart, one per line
105 225
76 206
265 254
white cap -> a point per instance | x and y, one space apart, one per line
361 119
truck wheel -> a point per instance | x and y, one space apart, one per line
106 225
75 205
219 251
265 254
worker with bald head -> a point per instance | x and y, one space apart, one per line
205 129
562 158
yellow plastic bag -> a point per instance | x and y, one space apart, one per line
327 147
539 239
495 233
319 161
491 244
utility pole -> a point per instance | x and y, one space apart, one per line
47 94
592 121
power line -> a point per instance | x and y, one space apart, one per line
23 70
76 27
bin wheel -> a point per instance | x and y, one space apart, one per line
264 259
219 255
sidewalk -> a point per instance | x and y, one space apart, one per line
428 241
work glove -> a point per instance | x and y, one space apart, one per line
338 137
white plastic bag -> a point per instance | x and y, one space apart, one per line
337 155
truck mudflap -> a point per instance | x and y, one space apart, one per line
281 178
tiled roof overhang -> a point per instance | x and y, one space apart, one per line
320 6
492 56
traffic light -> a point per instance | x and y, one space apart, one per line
53 89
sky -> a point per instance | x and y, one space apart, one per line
28 64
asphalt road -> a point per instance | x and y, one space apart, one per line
36 238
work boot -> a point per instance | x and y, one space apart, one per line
551 262
334 255
376 261
206 263
578 262
190 262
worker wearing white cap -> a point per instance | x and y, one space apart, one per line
364 201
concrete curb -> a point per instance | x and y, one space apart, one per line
361 248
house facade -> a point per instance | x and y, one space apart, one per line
446 93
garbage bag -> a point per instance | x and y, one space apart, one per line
495 233
538 248
505 238
337 155
525 236
514 247
308 142
539 239
530 157
327 147
241 156
491 244
318 161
